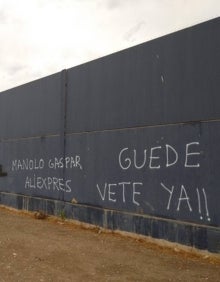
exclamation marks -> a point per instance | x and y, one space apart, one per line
199 203
205 204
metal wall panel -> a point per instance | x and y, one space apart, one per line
172 79
167 171
33 109
28 167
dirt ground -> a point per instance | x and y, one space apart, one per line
55 250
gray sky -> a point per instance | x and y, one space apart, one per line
41 37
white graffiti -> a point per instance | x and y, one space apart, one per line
27 164
115 192
48 183
179 199
152 157
69 162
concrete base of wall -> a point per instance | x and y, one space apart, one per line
185 233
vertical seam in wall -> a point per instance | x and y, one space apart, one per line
64 119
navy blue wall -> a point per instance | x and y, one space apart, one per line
129 141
